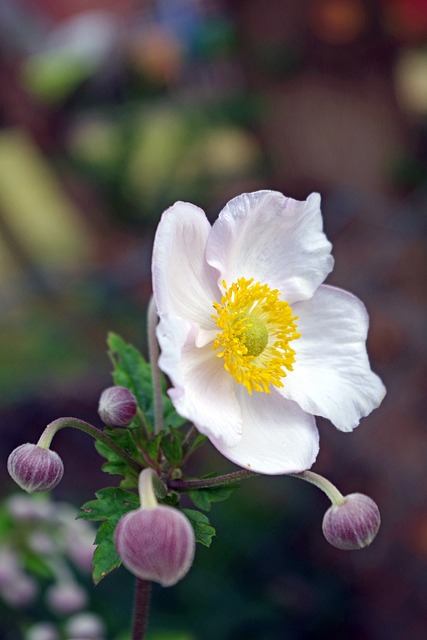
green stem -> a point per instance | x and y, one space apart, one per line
75 423
206 483
141 608
322 483
187 445
156 376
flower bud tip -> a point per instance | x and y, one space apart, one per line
352 524
156 544
34 468
117 406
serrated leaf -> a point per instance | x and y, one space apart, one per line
132 371
105 557
203 530
110 503
203 498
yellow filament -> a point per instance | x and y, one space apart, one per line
256 327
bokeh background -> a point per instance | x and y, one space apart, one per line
110 110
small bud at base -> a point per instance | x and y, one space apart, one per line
34 468
352 524
156 544
117 406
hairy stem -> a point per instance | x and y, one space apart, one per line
322 483
206 483
75 423
153 349
141 608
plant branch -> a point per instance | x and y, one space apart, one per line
207 483
75 423
141 608
323 484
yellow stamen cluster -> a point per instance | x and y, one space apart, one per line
256 329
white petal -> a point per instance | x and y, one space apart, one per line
332 376
277 437
202 390
275 240
183 283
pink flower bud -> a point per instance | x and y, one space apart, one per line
352 524
85 625
117 406
34 468
65 598
42 631
156 544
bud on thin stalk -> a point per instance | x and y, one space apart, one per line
155 542
117 406
353 524
35 468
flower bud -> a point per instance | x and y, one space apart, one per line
352 524
20 591
35 468
117 406
85 625
66 597
156 544
42 631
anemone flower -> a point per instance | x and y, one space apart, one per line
253 343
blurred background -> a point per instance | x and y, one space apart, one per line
110 110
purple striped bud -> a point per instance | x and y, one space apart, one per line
352 524
35 468
156 544
117 406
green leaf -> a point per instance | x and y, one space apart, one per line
203 498
111 503
132 371
115 464
172 447
35 563
203 529
197 442
105 557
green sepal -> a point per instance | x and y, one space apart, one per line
203 498
203 530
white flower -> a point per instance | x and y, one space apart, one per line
251 340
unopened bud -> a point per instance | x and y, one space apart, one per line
42 631
35 468
85 625
65 598
352 524
156 544
117 406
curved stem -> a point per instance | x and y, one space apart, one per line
322 483
206 483
141 608
153 350
75 423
